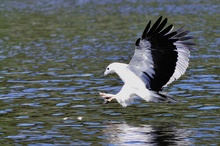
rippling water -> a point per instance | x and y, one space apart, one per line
53 54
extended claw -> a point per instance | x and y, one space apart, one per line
106 101
108 97
104 95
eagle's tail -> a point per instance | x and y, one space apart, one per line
161 97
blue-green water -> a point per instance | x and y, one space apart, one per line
53 55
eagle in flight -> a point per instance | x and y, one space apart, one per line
161 56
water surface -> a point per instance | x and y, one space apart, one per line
53 54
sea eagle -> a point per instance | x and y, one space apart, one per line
161 56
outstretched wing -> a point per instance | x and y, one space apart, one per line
161 55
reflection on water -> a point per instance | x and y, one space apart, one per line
124 134
53 54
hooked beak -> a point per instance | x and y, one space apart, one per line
105 73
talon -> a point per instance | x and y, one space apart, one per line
107 97
104 95
101 94
106 101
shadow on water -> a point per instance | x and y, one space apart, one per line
124 134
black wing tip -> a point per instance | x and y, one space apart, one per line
137 42
161 17
165 19
183 37
159 29
144 35
147 28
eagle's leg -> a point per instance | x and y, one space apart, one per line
108 97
